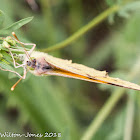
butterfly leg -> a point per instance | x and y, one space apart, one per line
11 71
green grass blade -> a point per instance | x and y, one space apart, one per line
15 26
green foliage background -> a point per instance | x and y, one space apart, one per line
69 106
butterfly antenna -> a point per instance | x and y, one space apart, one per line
13 33
13 87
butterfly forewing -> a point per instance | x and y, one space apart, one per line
66 68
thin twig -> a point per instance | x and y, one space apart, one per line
83 30
129 118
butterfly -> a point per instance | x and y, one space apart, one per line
43 64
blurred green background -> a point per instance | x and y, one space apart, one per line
69 106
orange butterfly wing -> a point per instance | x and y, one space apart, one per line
66 68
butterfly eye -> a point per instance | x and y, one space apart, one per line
29 63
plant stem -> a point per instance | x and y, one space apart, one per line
113 99
102 115
84 29
129 118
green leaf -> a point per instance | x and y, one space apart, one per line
15 26
6 66
2 17
6 57
130 7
